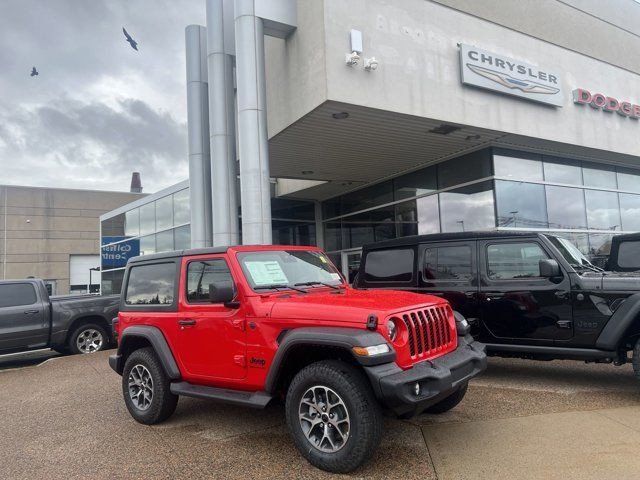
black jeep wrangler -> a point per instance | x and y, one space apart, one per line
527 294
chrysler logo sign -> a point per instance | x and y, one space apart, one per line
503 74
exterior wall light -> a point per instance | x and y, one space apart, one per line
352 59
370 64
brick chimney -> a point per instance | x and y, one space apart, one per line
136 184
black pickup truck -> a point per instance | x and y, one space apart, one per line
30 319
526 294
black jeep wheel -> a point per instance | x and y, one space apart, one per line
145 387
636 359
333 416
449 402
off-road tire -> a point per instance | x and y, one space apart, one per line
449 402
72 343
636 359
163 402
364 412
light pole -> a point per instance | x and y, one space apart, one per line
461 222
92 269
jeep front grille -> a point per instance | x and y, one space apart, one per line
429 330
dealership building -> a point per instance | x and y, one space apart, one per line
359 121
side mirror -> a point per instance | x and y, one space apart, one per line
221 292
549 268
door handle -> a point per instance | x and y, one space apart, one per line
30 312
186 322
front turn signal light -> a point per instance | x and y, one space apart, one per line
371 351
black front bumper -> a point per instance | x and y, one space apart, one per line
438 378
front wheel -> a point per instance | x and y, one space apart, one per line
449 402
333 416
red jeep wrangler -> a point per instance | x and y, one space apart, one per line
246 324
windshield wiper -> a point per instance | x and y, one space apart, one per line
587 266
311 284
279 286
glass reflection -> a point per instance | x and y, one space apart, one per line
628 180
418 217
415 183
151 284
147 245
147 218
599 244
464 169
164 241
181 207
467 208
603 211
521 204
132 223
601 176
164 213
630 212
562 171
182 237
517 168
565 207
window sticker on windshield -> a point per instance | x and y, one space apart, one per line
322 259
335 276
266 272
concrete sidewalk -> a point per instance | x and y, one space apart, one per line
565 420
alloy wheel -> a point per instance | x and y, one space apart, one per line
140 387
324 419
89 341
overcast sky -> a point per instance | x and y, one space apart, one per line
98 110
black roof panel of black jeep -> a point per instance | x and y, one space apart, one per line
445 237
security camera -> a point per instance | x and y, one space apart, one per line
370 64
352 59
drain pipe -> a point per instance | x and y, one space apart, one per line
198 133
252 125
222 127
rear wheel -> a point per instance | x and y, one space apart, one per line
88 338
146 388
333 416
636 359
449 402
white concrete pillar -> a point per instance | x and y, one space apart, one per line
222 127
198 133
252 125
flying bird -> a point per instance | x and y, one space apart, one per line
131 41
34 72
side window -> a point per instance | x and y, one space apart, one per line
448 263
629 255
514 260
389 266
151 284
201 273
16 294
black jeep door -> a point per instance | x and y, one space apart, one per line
516 303
450 270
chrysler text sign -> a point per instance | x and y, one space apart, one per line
506 75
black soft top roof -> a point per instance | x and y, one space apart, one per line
444 237
177 254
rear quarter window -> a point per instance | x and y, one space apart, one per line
389 266
16 294
152 284
629 255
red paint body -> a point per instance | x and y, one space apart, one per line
218 350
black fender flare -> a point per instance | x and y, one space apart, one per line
159 344
619 323
343 338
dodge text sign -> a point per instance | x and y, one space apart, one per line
503 74
606 103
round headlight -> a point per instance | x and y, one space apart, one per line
392 330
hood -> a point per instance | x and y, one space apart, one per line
625 281
352 306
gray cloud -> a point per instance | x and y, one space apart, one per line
98 110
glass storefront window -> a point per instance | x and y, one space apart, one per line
521 204
111 282
367 197
147 218
464 169
285 208
285 232
468 208
164 213
415 183
182 237
565 207
418 217
600 176
517 168
368 227
164 241
333 236
630 212
114 226
599 244
132 223
629 180
147 245
562 171
181 214
580 240
603 210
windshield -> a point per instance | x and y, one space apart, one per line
569 251
279 269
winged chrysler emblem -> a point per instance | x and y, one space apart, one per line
526 86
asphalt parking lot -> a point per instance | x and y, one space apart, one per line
65 418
